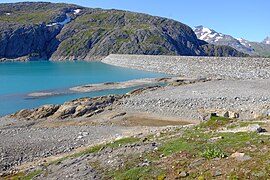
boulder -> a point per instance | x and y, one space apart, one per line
22 114
82 110
254 128
64 111
44 111
229 114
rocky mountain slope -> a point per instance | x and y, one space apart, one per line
221 50
62 31
240 44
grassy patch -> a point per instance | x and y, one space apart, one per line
237 140
244 124
27 17
14 176
32 175
23 175
216 122
134 173
177 145
97 148
122 141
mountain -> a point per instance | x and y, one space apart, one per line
221 51
44 30
213 37
240 44
266 40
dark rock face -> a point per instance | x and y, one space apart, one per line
33 30
29 40
221 51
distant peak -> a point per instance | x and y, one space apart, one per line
266 40
198 27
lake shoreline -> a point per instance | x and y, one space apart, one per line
49 81
143 112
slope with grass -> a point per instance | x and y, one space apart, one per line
193 152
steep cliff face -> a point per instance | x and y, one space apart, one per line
63 31
25 28
221 50
27 40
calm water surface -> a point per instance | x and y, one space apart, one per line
19 79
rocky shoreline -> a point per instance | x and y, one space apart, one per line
28 136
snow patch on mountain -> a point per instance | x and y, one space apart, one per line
62 23
207 34
216 38
77 11
266 40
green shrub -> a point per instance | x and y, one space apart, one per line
212 153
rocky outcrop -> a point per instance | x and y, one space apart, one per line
83 107
222 51
25 30
27 40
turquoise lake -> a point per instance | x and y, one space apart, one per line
19 79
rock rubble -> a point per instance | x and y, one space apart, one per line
190 66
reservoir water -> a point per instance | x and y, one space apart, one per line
19 79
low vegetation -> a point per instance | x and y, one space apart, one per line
200 152
212 153
24 176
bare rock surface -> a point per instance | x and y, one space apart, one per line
76 108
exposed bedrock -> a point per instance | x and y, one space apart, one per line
82 107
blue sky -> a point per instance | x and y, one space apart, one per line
248 19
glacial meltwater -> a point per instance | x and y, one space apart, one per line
17 80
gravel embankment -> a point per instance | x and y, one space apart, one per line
211 67
249 98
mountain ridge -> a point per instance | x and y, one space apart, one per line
60 31
252 48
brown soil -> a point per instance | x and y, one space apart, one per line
113 118
142 120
